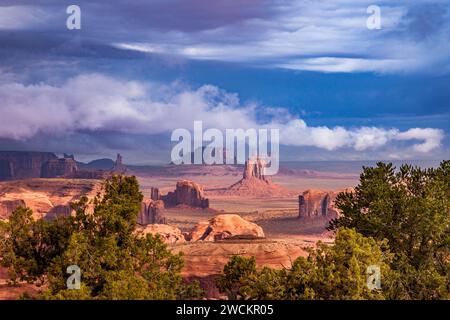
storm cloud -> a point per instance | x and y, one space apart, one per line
96 103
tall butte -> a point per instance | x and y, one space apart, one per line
254 183
119 167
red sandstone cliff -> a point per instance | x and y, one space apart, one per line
186 193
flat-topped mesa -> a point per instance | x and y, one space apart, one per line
317 204
254 168
59 168
186 193
22 164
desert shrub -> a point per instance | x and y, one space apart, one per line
329 272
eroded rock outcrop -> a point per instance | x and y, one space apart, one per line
254 169
7 207
19 165
187 193
168 234
226 226
154 194
59 168
119 167
22 165
152 212
317 204
47 198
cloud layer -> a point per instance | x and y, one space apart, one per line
325 36
99 103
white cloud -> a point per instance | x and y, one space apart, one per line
97 103
298 133
22 17
431 138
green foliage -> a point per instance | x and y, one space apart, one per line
238 275
115 262
329 272
411 209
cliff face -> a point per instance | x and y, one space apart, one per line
317 204
22 165
7 207
59 168
48 198
18 165
151 213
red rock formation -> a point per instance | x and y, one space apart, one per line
7 207
253 184
119 167
317 204
59 168
22 165
254 169
168 234
186 193
226 226
91 174
152 212
204 261
47 198
154 194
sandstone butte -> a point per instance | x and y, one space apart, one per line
253 184
318 204
187 193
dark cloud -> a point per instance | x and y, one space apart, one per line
428 20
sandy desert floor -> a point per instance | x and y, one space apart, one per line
277 216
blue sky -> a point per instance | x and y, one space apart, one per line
139 69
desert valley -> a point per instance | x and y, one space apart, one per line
210 213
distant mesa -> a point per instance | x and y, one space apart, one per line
226 226
16 165
253 183
23 165
60 167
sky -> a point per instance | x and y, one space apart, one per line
137 70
